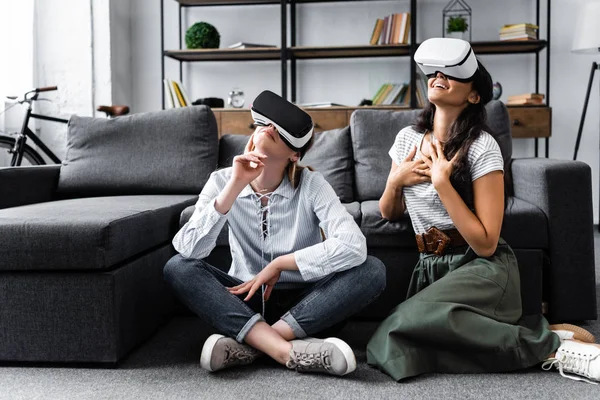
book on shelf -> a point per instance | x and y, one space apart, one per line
392 29
322 104
519 32
376 31
244 45
175 94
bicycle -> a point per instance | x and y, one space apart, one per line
17 148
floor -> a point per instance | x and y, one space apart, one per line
166 367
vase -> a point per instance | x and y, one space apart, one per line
458 35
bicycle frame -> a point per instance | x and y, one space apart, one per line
26 132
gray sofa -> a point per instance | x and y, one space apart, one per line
84 243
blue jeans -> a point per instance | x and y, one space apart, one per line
309 310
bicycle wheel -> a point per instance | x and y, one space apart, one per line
30 156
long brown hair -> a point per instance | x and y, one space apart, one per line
463 132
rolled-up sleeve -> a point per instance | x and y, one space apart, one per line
344 247
197 238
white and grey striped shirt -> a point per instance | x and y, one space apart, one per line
293 219
422 201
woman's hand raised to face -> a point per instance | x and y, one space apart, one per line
405 174
439 168
247 167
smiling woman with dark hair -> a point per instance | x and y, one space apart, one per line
463 308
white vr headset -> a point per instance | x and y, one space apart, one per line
295 126
452 57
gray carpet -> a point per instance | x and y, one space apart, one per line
167 367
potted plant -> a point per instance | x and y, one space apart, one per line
457 27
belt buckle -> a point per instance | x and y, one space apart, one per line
440 238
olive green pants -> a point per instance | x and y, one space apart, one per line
462 315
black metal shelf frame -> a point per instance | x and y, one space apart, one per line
292 54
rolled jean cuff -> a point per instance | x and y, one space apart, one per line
249 325
296 328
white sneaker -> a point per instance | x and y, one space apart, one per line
577 358
569 332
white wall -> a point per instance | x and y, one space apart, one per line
73 51
121 52
15 77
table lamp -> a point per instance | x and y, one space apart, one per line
587 41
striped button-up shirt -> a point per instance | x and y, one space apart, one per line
292 222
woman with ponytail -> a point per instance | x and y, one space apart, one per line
299 261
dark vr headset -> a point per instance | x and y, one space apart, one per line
452 57
294 125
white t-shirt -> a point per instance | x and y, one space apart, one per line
422 201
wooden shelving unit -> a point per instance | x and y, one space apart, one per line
288 53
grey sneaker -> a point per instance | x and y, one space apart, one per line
332 356
221 352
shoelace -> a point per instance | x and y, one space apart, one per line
576 364
305 361
264 217
239 355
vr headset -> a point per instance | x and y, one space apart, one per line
294 125
452 57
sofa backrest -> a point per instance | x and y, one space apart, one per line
331 155
162 152
373 133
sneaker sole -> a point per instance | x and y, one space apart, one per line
207 351
346 351
578 332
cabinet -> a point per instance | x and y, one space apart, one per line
528 122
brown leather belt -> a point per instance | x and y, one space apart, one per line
437 242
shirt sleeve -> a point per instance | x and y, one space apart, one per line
344 247
488 159
197 238
398 148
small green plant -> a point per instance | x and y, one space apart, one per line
457 24
202 35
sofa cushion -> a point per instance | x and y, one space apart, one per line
331 155
231 145
137 154
373 133
223 238
87 233
382 233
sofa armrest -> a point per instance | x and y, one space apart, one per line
563 191
27 185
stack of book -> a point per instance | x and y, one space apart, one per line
175 95
244 45
398 94
519 32
526 99
393 29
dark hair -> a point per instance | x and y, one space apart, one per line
463 132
